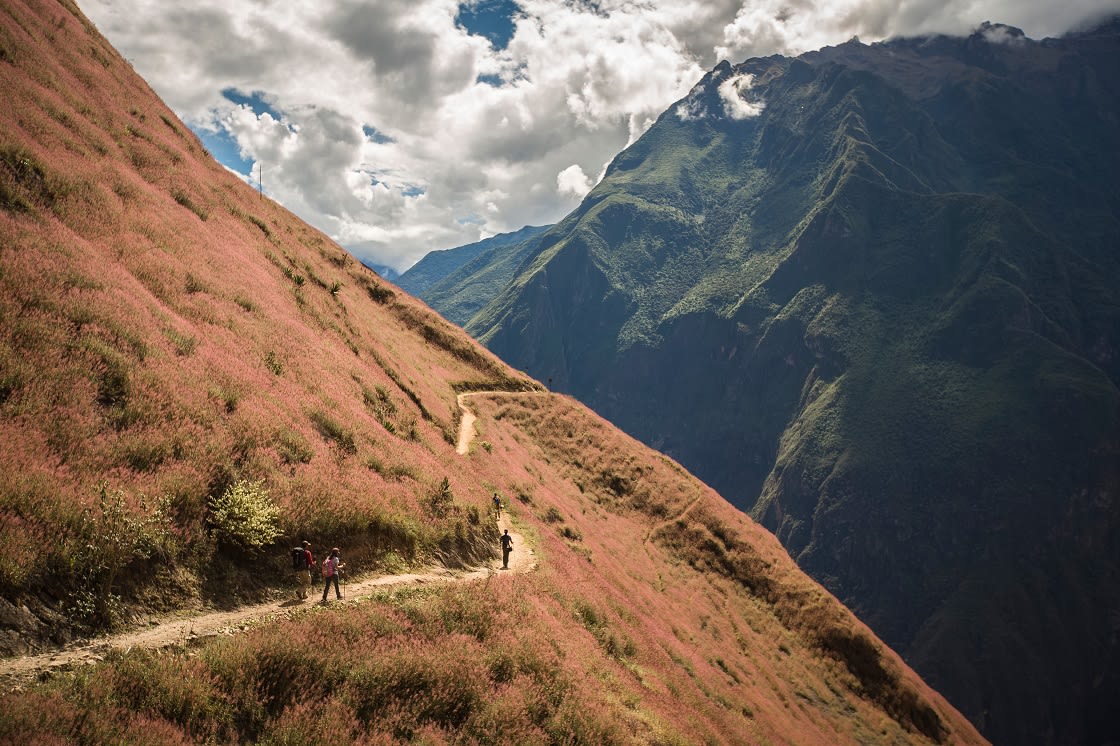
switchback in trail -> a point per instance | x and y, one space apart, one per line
190 628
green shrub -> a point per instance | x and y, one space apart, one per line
273 362
245 516
442 499
111 538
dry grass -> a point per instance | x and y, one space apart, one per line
168 332
165 333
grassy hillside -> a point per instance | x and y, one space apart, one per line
880 314
191 379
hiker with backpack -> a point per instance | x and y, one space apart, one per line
302 562
497 505
332 568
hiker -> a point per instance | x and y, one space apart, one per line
507 547
332 567
302 562
498 505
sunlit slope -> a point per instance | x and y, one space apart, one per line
880 314
166 334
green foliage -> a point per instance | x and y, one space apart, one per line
293 447
442 499
113 537
332 430
228 395
245 302
185 200
273 362
24 183
394 472
245 516
184 343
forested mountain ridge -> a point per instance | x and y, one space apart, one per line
870 295
460 281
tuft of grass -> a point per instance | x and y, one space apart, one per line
393 472
333 431
185 200
245 302
194 284
24 182
184 344
293 447
274 364
229 396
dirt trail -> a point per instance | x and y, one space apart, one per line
188 628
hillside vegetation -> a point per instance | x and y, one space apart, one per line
872 292
191 380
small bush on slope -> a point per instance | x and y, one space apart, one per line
245 516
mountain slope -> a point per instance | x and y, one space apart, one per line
462 280
438 265
184 365
872 292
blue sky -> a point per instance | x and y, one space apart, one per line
490 19
402 126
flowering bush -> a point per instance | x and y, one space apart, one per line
245 515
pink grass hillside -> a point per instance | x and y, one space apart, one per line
193 382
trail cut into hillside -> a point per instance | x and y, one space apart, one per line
189 629
192 629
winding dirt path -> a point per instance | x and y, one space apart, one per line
190 628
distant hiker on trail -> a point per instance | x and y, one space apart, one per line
497 505
302 562
332 566
507 547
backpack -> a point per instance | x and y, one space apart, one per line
299 561
328 568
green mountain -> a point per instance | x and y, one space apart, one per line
870 295
193 381
461 280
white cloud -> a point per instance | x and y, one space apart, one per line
457 157
737 101
572 180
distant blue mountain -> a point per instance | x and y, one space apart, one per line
458 282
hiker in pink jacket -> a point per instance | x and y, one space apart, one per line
331 567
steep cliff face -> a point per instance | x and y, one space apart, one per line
870 295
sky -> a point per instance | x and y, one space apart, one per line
399 127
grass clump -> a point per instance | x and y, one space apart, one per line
184 344
185 200
333 431
24 182
245 302
273 362
293 447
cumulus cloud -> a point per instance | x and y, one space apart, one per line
397 131
572 180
